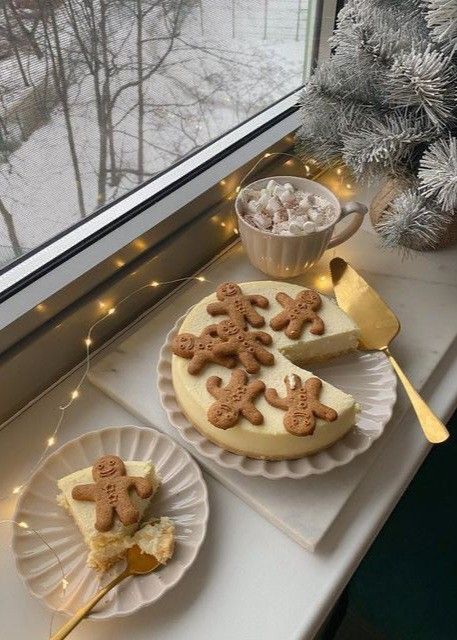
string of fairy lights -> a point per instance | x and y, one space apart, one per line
75 393
88 341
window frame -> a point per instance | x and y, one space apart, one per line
52 266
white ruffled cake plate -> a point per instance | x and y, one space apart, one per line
368 377
182 496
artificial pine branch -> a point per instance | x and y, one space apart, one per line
438 173
441 18
424 81
386 145
412 222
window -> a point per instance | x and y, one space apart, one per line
99 97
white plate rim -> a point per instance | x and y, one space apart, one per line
100 615
271 469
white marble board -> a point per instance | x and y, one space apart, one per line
303 509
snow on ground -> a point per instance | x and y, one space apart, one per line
211 81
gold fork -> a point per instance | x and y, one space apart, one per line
138 564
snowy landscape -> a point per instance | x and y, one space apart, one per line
97 97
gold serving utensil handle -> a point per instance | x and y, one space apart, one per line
138 563
433 428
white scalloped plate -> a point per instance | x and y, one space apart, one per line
368 377
182 496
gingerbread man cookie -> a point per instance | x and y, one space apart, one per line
301 404
237 306
297 313
247 345
207 347
110 492
233 400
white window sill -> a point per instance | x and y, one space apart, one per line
250 579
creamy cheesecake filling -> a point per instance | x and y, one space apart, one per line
156 539
270 440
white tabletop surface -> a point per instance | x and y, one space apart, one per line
250 580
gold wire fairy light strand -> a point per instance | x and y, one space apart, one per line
51 440
278 153
63 581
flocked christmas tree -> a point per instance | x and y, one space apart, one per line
386 104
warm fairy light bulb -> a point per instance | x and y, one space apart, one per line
101 304
111 311
348 185
64 583
23 524
222 224
87 342
266 155
17 489
339 171
75 394
51 441
307 168
154 283
235 230
222 182
238 189
201 278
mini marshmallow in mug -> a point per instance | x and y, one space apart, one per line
288 198
280 216
261 220
316 216
274 204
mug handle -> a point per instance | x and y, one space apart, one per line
350 207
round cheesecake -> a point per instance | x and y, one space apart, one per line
269 438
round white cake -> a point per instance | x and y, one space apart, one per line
268 431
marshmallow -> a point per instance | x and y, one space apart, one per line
288 198
261 221
296 228
271 185
280 216
309 227
316 216
289 187
274 204
278 190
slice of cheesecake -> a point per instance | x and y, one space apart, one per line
105 547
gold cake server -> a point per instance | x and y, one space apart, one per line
379 326
138 564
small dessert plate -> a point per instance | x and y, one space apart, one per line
182 496
367 376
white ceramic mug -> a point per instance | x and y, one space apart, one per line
289 256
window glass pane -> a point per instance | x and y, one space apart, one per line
98 96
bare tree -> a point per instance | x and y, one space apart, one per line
11 230
52 39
